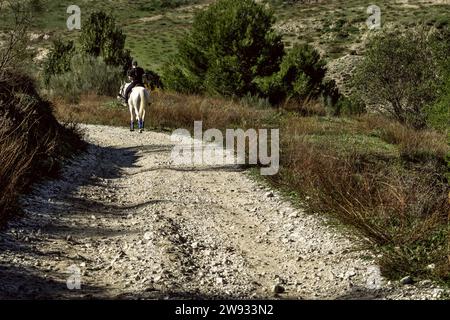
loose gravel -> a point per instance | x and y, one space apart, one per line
123 222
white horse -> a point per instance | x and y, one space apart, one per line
139 99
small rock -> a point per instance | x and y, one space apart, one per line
406 280
194 245
293 215
277 289
350 274
426 282
437 293
147 235
270 194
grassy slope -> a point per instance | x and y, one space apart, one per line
152 30
335 27
338 27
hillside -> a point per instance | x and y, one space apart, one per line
336 28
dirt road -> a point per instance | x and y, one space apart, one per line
126 223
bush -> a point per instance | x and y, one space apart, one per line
153 80
173 3
255 101
58 59
32 142
400 74
87 75
300 76
230 44
180 79
349 106
15 51
102 37
438 114
37 6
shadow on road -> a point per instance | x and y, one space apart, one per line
26 242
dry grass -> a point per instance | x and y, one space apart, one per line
413 144
167 111
91 109
384 180
402 210
32 142
177 110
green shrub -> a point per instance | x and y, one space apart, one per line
58 59
349 106
153 80
300 76
400 74
173 3
102 37
230 44
87 75
37 6
255 101
438 113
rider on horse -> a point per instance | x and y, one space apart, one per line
136 74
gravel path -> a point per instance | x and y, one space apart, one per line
134 226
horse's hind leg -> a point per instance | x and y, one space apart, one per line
143 119
132 117
138 115
138 118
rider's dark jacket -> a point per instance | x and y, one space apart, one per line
136 75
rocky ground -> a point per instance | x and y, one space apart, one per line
124 222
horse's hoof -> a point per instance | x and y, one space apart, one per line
140 131
131 130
